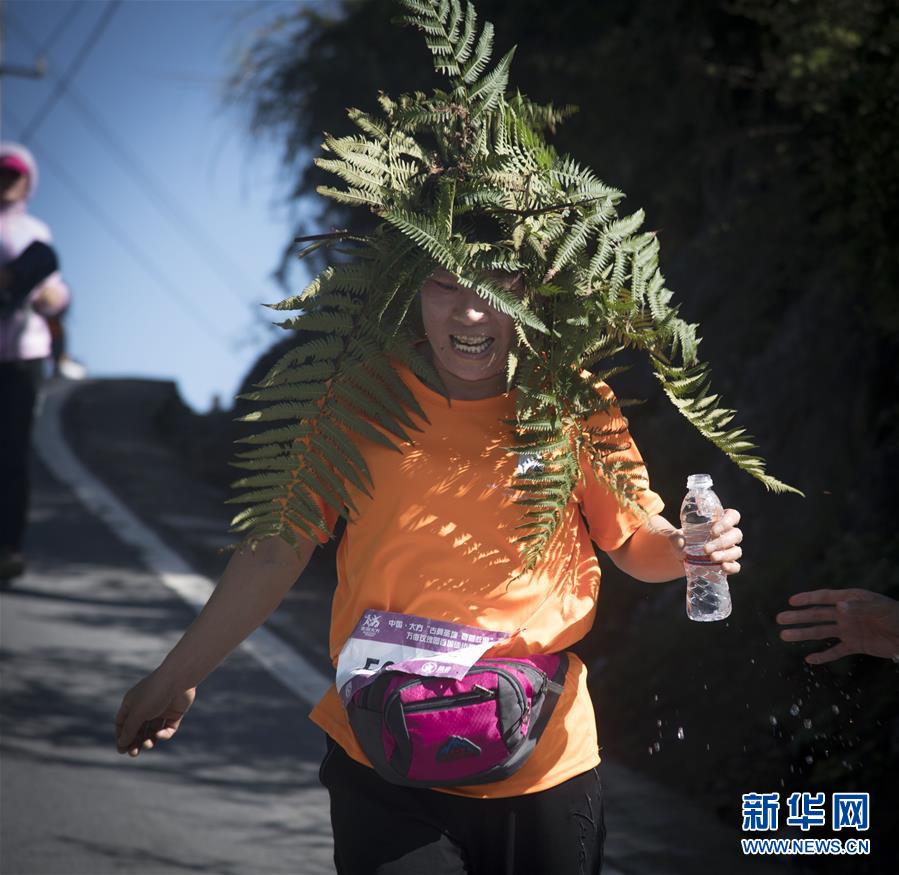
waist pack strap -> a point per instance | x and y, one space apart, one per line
366 724
554 688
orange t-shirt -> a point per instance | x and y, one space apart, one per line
436 539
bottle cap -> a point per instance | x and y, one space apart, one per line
699 481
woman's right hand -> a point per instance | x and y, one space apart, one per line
151 711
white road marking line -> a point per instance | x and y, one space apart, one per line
281 660
194 523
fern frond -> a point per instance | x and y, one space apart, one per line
463 46
272 451
316 370
688 391
370 125
326 484
364 429
366 404
353 197
465 179
485 93
281 392
341 443
425 233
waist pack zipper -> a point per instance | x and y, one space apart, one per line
547 685
516 685
472 698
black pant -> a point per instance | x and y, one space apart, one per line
19 385
383 829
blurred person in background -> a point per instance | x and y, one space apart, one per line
31 289
63 364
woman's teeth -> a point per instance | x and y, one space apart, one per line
471 344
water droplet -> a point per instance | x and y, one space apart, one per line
659 723
650 750
835 709
705 686
752 661
807 723
794 709
792 769
657 747
680 732
656 697
772 720
809 759
782 782
708 747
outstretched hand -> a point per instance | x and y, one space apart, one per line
150 712
863 621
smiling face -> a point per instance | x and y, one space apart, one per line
469 339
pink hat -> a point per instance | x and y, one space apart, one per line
16 157
14 162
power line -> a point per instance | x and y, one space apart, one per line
116 230
152 187
61 27
83 54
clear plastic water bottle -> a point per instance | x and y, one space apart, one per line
708 596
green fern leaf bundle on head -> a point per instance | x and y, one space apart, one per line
464 180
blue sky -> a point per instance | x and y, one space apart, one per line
169 257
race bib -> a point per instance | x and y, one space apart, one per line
416 645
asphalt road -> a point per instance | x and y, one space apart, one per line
235 792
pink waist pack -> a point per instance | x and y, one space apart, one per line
441 732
